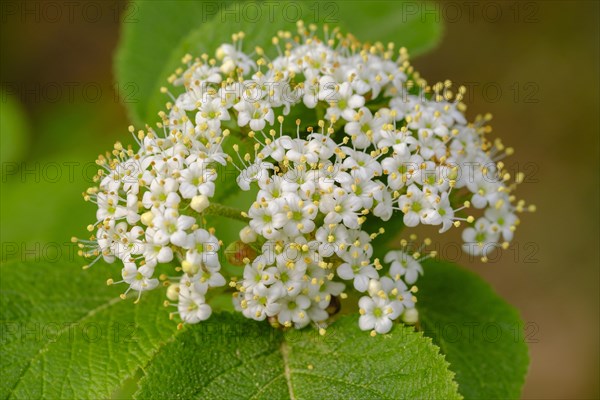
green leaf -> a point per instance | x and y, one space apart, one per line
480 334
232 357
159 33
147 56
414 25
150 32
67 335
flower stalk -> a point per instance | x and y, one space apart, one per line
226 211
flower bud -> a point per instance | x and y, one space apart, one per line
374 287
247 235
227 67
173 292
200 203
220 53
189 268
147 218
410 316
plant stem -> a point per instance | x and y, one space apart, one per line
225 211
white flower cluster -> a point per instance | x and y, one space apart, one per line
383 143
314 196
149 212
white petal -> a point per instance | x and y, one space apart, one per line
345 272
366 322
383 325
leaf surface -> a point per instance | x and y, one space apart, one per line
66 335
232 357
480 334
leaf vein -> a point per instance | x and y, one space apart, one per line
43 349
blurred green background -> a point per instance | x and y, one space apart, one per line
534 65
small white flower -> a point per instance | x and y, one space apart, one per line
502 220
485 189
441 213
300 216
258 274
401 170
480 240
357 267
196 179
270 189
384 207
288 281
192 307
341 207
400 141
202 281
212 112
403 265
139 279
342 102
376 314
363 129
155 253
415 206
232 58
321 145
364 162
298 150
172 227
294 310
363 187
261 303
332 239
267 219
127 243
202 251
255 172
429 123
109 207
255 114
162 194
